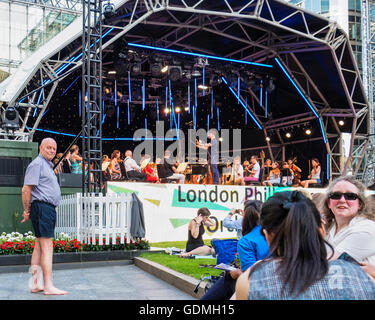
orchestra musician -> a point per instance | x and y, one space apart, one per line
274 176
246 168
171 170
255 170
237 176
213 154
149 169
287 174
314 177
115 165
133 171
267 166
296 171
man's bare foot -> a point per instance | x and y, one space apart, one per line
36 290
54 291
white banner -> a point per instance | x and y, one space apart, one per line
168 208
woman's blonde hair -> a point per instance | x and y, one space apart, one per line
365 209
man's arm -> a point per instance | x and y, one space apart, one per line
26 201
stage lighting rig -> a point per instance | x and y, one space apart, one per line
109 10
174 72
215 80
196 73
10 118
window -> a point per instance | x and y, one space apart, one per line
325 6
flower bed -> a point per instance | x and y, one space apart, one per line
16 243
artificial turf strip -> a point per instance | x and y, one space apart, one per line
189 267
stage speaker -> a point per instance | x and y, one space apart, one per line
70 180
12 171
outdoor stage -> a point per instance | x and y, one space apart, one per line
168 208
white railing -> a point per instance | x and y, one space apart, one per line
91 217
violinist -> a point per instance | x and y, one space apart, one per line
237 172
255 170
314 177
115 165
296 171
149 169
274 177
267 167
287 174
246 168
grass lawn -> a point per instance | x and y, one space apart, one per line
189 267
176 244
186 266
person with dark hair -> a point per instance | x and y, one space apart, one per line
253 245
350 219
213 154
195 244
297 267
115 165
251 248
75 160
237 224
314 176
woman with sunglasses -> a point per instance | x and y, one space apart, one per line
297 267
350 220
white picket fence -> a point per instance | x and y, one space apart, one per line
91 217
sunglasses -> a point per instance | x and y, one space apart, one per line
347 195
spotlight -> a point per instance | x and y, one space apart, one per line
186 109
215 80
109 10
166 110
288 135
220 139
201 86
250 83
270 85
308 132
155 68
177 109
10 119
196 73
174 73
268 139
164 69
112 72
341 123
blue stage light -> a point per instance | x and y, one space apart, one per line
304 98
194 54
247 110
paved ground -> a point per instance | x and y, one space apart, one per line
115 280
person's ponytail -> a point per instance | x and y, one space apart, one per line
294 223
302 247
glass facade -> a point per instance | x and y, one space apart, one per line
24 29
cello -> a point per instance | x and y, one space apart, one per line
296 173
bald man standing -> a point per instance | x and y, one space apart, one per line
40 197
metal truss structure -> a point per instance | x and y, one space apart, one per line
367 174
73 6
92 96
259 30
